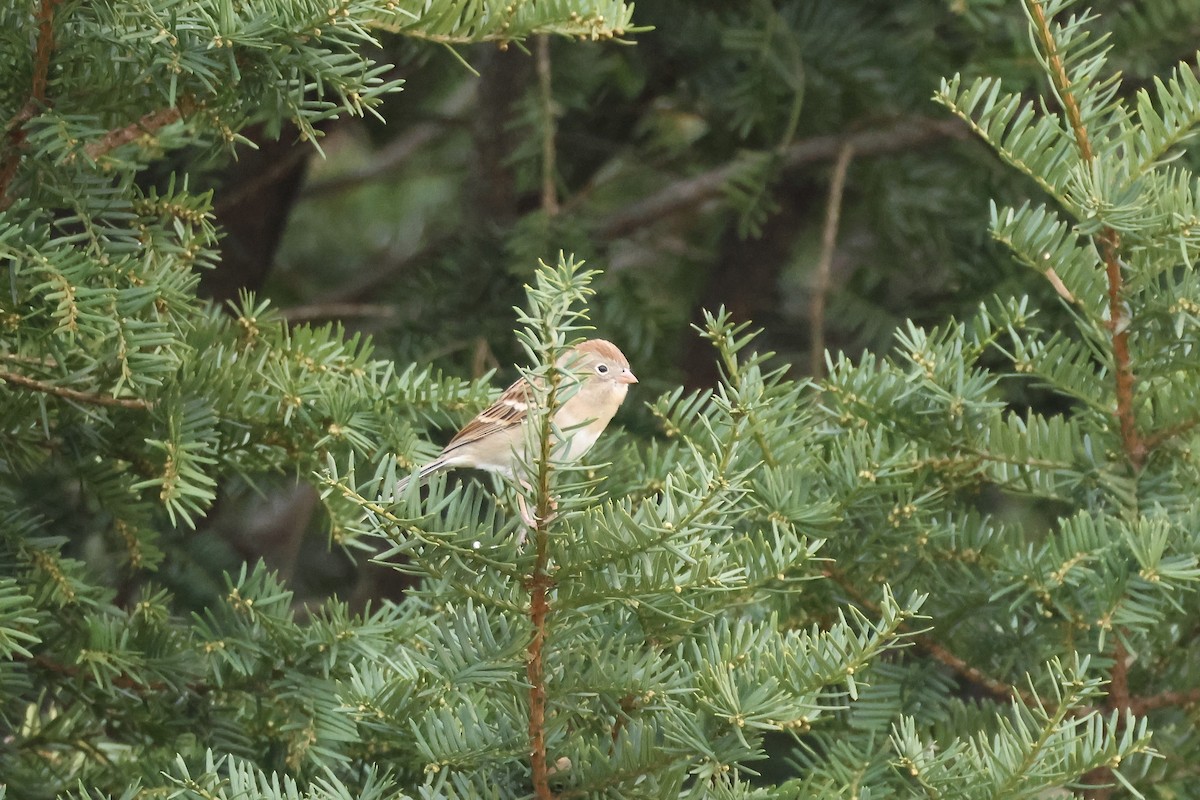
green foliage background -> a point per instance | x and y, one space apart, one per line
959 564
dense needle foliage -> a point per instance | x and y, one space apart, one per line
963 568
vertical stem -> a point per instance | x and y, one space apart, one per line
45 46
535 673
820 291
1109 244
1118 324
538 584
549 128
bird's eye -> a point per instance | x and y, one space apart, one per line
602 368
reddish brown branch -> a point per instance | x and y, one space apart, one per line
997 688
821 285
15 131
1156 439
1118 324
1118 695
535 673
538 585
1060 80
149 123
120 681
1109 244
26 382
45 47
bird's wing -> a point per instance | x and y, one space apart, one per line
509 411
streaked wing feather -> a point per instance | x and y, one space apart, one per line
509 411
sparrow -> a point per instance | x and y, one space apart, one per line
496 439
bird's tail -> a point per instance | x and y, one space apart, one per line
420 475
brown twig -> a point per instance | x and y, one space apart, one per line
687 194
146 124
120 681
535 673
994 686
546 100
1118 694
1143 705
1157 438
1118 324
1109 242
72 394
15 130
821 284
45 47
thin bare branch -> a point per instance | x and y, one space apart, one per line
1142 705
329 311
821 284
549 127
684 195
453 111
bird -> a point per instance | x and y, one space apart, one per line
495 439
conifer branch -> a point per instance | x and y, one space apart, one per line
994 686
121 681
1118 324
1109 242
72 394
1060 82
820 292
396 527
506 22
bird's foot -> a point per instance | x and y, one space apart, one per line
531 519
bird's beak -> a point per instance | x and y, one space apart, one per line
627 376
